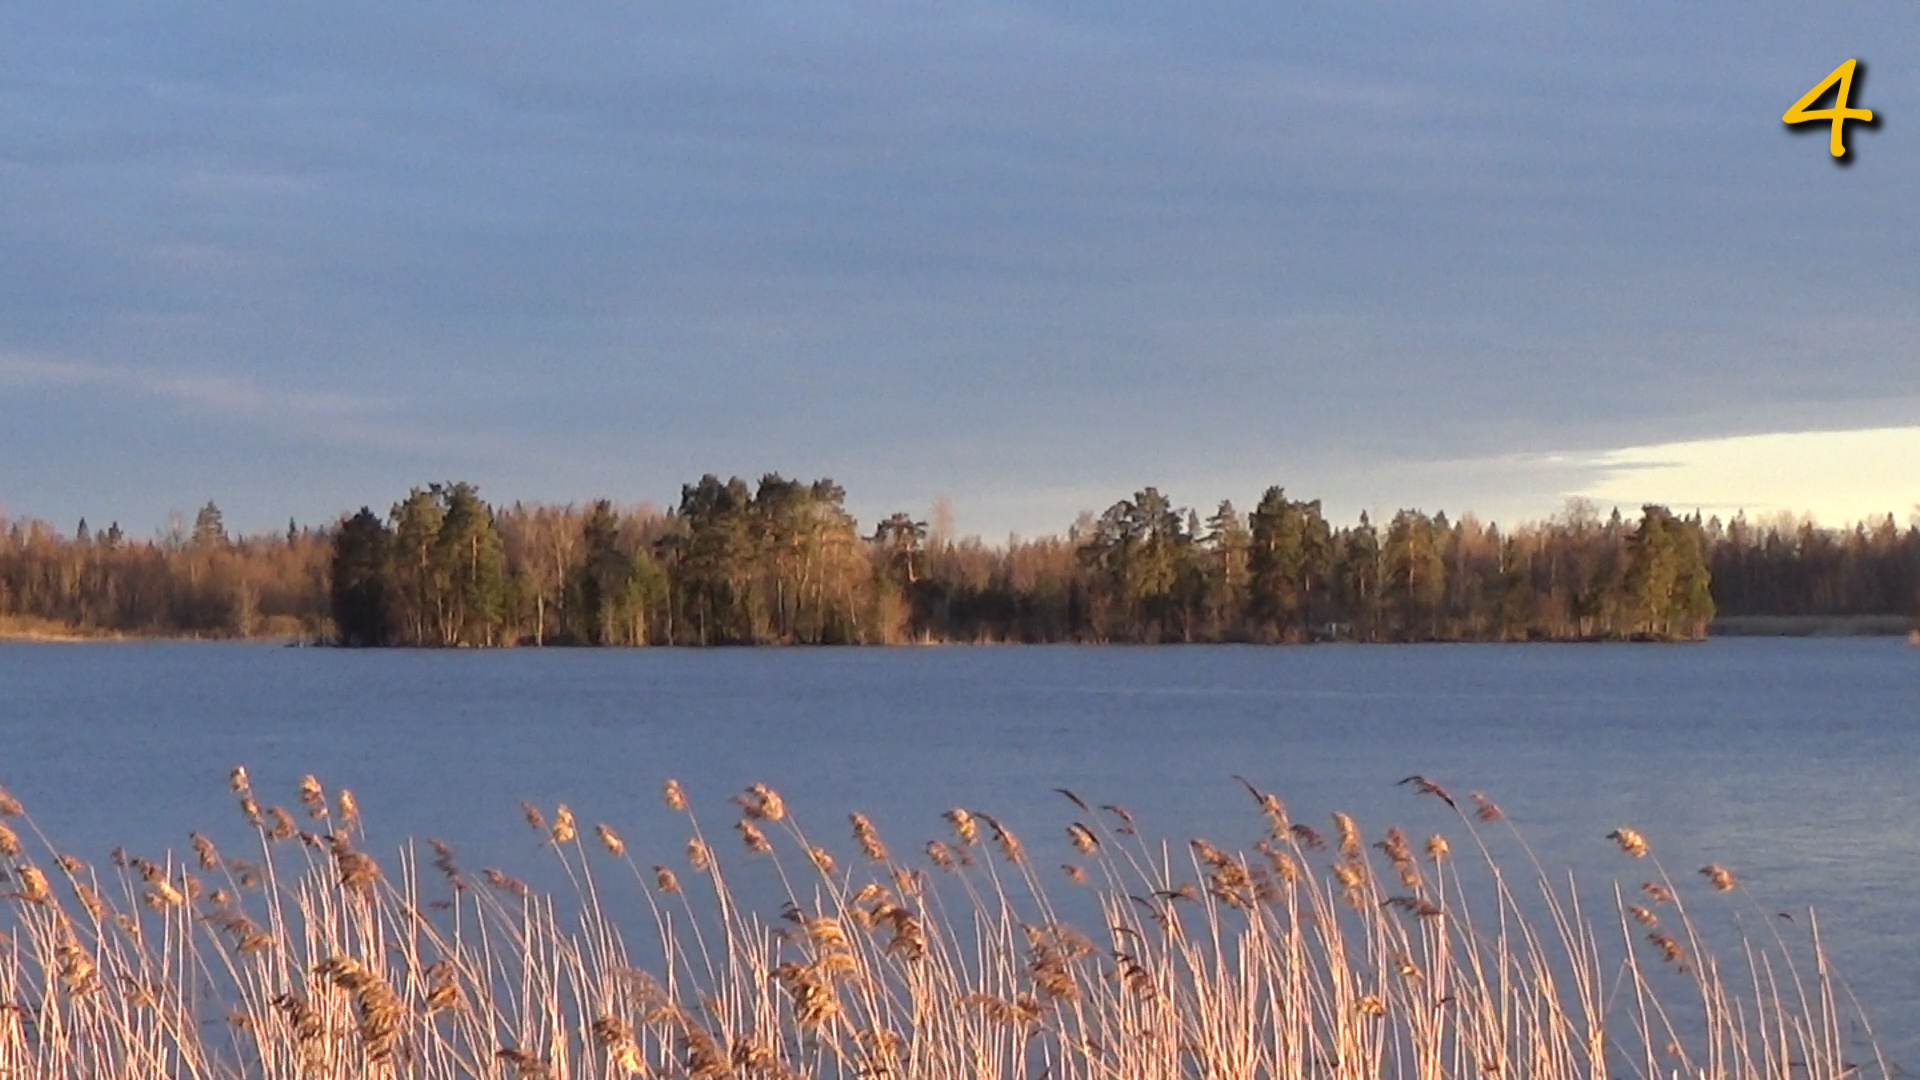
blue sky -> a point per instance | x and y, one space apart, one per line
1030 256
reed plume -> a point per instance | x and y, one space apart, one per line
1285 961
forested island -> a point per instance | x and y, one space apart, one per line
782 562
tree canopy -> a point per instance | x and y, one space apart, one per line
782 561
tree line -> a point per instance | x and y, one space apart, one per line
189 581
781 561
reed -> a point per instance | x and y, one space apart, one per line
1453 954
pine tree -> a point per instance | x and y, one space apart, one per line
209 528
1416 572
1358 572
902 541
362 553
713 559
1228 545
1290 557
473 563
602 579
1667 576
1140 556
419 592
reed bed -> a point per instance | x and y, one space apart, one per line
761 950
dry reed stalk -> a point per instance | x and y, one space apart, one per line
1284 962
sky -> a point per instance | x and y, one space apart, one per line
1030 257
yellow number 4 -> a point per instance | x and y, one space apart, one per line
1839 114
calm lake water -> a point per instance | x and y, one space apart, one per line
1791 761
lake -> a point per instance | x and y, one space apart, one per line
1792 762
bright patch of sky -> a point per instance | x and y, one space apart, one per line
1837 477
1032 256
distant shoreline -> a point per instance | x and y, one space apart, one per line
38 632
1811 626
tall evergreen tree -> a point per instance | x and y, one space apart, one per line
1415 573
902 542
209 527
1667 576
419 592
1228 545
1290 557
843 576
1140 553
603 578
358 580
784 539
713 559
1359 575
473 563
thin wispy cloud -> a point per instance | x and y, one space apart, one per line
199 393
